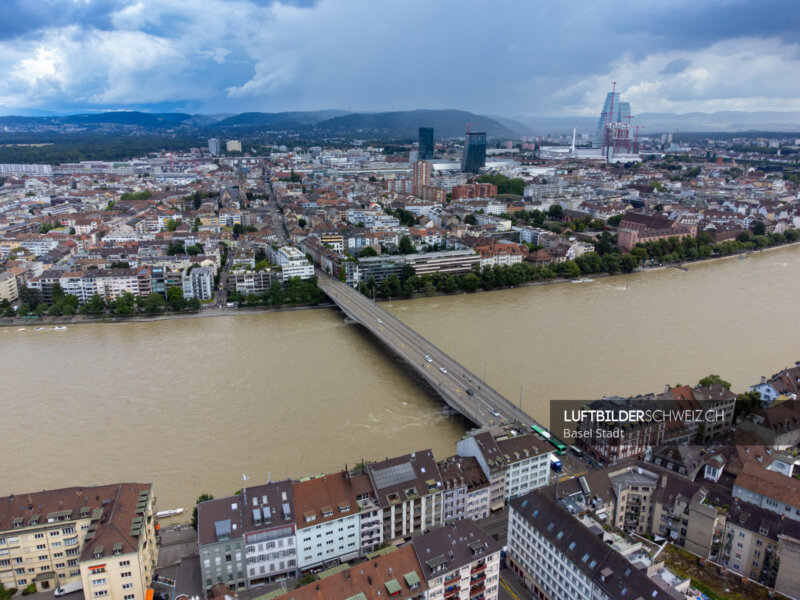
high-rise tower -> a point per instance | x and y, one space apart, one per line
425 143
474 152
621 111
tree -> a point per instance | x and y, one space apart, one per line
95 305
175 298
153 303
197 223
571 270
172 225
125 304
629 263
759 228
555 212
175 248
470 282
405 246
57 294
367 251
305 580
194 250
712 379
301 222
238 229
204 497
746 404
614 220
193 304
471 219
72 231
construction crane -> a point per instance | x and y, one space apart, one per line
468 125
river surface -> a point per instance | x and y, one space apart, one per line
195 404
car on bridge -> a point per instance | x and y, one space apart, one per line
428 358
470 392
380 321
495 413
443 370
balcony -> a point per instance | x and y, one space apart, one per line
452 592
477 592
476 580
478 569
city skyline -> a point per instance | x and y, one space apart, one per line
213 57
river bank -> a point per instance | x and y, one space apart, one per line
225 312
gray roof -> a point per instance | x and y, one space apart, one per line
587 551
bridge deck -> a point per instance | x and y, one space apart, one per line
483 406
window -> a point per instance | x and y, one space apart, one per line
39 536
41 546
129 597
54 532
125 575
124 563
99 581
43 557
127 586
68 530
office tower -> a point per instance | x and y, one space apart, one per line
474 153
425 143
213 146
621 111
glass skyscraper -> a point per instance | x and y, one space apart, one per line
474 153
425 143
622 110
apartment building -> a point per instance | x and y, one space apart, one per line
409 491
718 402
642 498
328 524
466 489
8 287
103 536
269 532
772 491
370 513
199 283
622 438
559 557
220 542
527 459
251 282
482 446
750 545
292 262
395 575
119 564
459 561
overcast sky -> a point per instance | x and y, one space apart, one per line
494 57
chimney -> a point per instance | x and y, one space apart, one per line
663 480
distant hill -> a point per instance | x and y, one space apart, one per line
406 124
140 119
282 120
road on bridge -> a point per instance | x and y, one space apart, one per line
459 387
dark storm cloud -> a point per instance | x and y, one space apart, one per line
23 17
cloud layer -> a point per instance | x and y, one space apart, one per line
503 57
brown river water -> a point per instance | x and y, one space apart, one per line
193 404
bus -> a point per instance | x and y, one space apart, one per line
555 464
560 448
578 452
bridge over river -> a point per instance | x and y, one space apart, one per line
459 388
